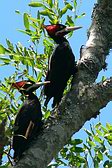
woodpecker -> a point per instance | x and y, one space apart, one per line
61 63
28 122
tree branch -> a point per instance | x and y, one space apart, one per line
85 99
99 43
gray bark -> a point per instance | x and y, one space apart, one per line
85 98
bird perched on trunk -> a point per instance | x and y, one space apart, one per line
28 121
61 63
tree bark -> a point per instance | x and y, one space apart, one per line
85 98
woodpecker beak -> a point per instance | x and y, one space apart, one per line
68 30
72 28
42 83
36 86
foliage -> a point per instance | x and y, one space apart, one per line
96 152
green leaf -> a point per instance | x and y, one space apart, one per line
34 19
76 141
26 21
10 45
98 125
63 152
81 159
97 139
47 114
86 147
60 162
77 149
25 32
88 132
2 49
50 3
80 16
5 166
99 132
108 136
64 10
91 143
109 156
100 155
107 164
103 78
104 129
75 3
69 6
47 43
69 21
96 163
109 126
46 12
17 11
5 60
39 74
83 14
36 4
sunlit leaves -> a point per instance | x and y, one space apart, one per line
66 7
36 4
9 44
46 12
75 141
96 151
2 49
97 144
71 153
69 21
103 78
80 16
107 164
5 61
21 56
26 21
50 2
75 3
47 114
53 11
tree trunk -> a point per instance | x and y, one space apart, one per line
85 98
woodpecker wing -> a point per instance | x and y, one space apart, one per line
27 124
61 67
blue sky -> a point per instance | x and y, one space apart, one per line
10 22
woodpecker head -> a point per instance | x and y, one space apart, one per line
59 30
23 85
28 86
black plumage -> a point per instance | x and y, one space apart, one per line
28 122
61 64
